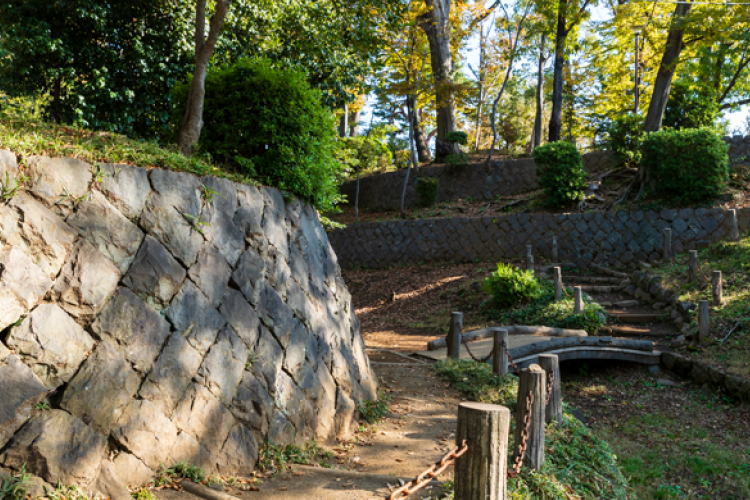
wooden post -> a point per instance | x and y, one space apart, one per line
553 410
453 340
667 244
529 259
555 250
482 472
734 228
578 299
532 380
499 356
557 273
693 265
717 288
703 322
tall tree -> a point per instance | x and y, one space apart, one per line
536 135
190 130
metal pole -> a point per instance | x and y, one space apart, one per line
637 64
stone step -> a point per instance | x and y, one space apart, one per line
592 279
621 304
611 272
638 317
631 331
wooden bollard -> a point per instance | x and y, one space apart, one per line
529 259
578 299
717 288
453 340
555 249
693 265
734 228
499 356
667 244
532 380
703 321
482 472
557 273
553 410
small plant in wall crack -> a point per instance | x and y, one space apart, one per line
196 221
15 488
99 175
44 405
208 194
67 196
7 192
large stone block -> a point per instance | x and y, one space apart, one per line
223 366
102 388
154 275
252 404
249 274
107 229
35 230
295 352
241 316
57 447
274 220
21 391
126 187
191 313
202 416
135 328
8 170
86 281
22 286
218 213
51 343
59 182
132 471
267 359
171 374
239 453
211 273
171 214
146 432
275 314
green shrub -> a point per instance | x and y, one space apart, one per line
690 106
372 411
457 159
270 125
687 165
509 285
402 158
625 138
461 138
427 190
559 167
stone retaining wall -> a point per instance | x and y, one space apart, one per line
615 238
165 325
739 147
703 373
502 178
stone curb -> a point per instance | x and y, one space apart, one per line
647 288
703 373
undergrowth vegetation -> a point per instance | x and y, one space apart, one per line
14 488
578 465
276 458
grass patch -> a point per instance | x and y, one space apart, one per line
733 260
276 458
15 488
578 465
372 411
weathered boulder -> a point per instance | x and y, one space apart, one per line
146 432
108 484
126 187
239 453
59 182
51 343
57 447
135 328
130 470
154 275
22 285
107 229
21 391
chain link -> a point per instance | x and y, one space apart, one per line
524 437
510 359
480 360
430 473
550 382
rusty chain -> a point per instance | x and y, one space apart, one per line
480 360
430 473
550 382
524 437
510 359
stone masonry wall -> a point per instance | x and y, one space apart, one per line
616 238
502 178
165 325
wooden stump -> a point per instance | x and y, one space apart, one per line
693 265
667 244
557 273
578 299
453 339
555 250
717 288
553 410
529 259
481 473
532 380
704 324
499 356
734 228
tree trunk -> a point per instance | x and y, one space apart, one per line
423 149
354 125
192 123
436 25
412 155
356 200
555 121
669 60
536 137
344 121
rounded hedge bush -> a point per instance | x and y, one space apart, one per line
624 136
510 286
688 165
559 167
270 125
